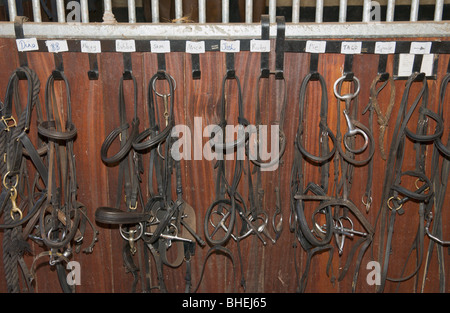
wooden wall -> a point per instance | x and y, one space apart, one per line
267 269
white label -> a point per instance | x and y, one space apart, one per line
351 47
27 44
160 46
195 47
427 64
56 46
91 46
230 46
420 47
385 47
125 45
258 45
315 46
405 64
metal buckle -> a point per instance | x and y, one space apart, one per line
6 121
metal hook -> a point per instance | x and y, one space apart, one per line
352 131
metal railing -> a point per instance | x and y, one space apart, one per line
110 29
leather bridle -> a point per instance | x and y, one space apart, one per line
162 219
336 209
395 196
55 218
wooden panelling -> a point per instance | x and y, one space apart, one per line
271 268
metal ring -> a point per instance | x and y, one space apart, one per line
415 184
162 95
368 202
122 232
349 95
62 236
4 181
397 208
354 132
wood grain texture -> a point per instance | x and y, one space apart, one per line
270 268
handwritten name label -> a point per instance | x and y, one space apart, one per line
195 47
313 46
230 46
91 46
385 47
160 46
125 45
27 44
352 47
420 47
258 45
56 46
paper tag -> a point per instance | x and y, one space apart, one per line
195 47
160 46
56 46
385 47
420 47
405 64
315 46
351 47
258 45
91 46
427 64
27 44
230 46
125 45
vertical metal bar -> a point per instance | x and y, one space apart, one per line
12 10
414 10
342 11
178 10
108 6
439 8
248 11
131 11
319 11
60 9
366 11
272 11
390 11
36 11
295 11
225 11
108 16
84 11
202 11
155 11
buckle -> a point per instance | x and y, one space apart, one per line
9 122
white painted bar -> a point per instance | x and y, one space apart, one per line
36 11
232 31
295 11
